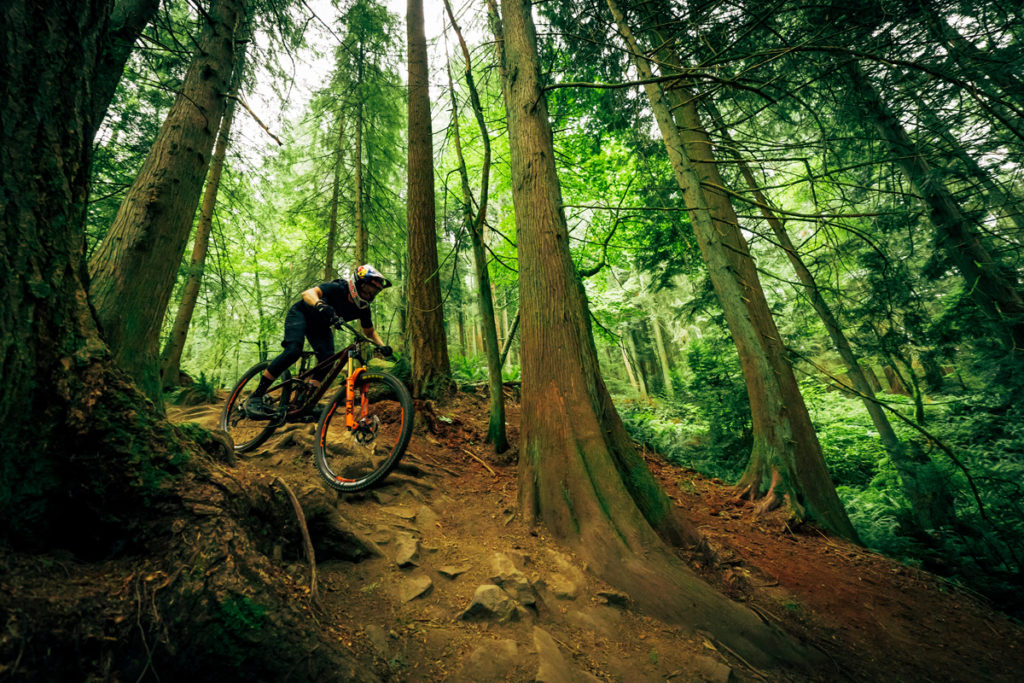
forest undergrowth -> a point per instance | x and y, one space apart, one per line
975 438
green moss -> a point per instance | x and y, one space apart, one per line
603 502
242 616
647 493
567 497
237 624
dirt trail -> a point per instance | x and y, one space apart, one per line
444 525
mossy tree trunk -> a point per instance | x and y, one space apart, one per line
579 472
427 342
134 270
87 464
786 460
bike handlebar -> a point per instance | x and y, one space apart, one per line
338 324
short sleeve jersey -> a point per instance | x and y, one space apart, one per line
335 293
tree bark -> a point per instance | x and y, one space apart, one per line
659 343
786 451
992 285
634 356
134 270
496 435
579 473
357 163
332 228
170 360
106 476
428 345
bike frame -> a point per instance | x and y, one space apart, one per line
352 371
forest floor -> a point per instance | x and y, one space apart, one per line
445 524
448 519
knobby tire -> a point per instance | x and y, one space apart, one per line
346 463
233 420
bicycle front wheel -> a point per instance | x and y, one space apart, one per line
356 459
246 432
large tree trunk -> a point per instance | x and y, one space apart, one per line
786 458
87 464
50 351
427 342
993 285
496 435
579 472
170 359
134 270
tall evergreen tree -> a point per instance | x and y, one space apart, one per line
427 341
170 357
475 225
787 458
579 473
139 259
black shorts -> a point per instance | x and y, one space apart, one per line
299 326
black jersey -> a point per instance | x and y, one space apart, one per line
335 293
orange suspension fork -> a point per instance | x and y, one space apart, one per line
350 392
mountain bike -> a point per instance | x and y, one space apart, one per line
362 431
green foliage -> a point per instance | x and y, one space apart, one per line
202 390
881 519
511 373
235 629
717 387
707 427
469 369
847 436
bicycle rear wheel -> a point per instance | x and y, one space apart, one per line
353 460
246 432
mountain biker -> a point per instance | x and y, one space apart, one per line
312 317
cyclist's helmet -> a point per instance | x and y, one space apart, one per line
366 283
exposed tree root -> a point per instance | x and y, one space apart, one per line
307 542
774 498
771 499
168 571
